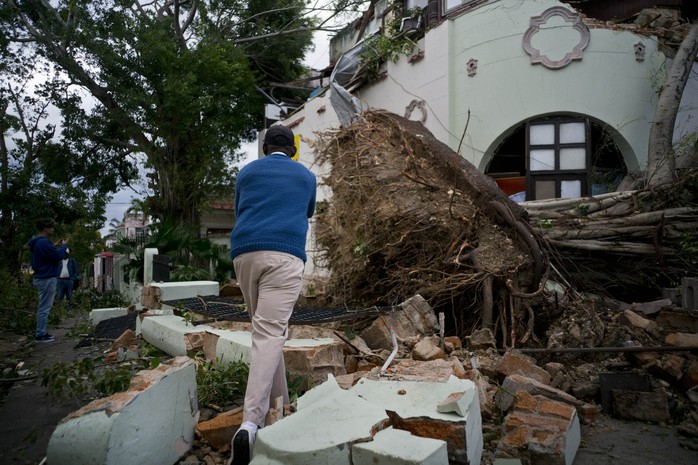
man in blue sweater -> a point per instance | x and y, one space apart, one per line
274 197
46 263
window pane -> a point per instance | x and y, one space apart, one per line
573 159
542 160
545 190
542 134
572 133
448 4
570 189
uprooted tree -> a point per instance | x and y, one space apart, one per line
408 215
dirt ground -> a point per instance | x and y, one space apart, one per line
616 442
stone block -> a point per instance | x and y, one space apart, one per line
689 293
219 430
396 447
641 406
151 422
540 431
516 363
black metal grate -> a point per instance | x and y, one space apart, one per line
115 327
227 308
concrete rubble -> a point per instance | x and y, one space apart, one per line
159 408
437 396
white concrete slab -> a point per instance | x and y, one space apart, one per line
397 447
151 423
186 289
321 432
410 399
98 315
167 332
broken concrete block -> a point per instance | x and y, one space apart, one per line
621 381
328 422
690 376
438 371
172 334
456 402
682 339
152 422
632 319
669 368
481 339
540 431
414 316
185 289
412 406
219 430
506 395
483 393
397 447
641 406
313 359
678 320
455 341
127 338
426 350
516 363
150 297
650 308
689 293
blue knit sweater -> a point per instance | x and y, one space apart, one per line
274 197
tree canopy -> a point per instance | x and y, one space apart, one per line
177 81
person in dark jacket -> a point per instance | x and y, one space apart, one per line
274 197
66 280
46 260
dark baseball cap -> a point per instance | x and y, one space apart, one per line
280 136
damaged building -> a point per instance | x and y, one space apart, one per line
552 99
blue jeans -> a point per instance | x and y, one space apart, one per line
65 290
47 292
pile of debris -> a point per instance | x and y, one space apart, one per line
526 396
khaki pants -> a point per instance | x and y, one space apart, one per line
270 283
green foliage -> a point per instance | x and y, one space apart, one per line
84 378
221 384
390 45
18 302
177 84
193 258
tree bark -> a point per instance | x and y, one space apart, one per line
661 161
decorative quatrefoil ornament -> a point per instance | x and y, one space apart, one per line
535 27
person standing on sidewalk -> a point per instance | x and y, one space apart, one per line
46 262
274 197
66 281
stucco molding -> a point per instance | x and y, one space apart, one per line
569 17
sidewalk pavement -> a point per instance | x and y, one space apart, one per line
27 415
